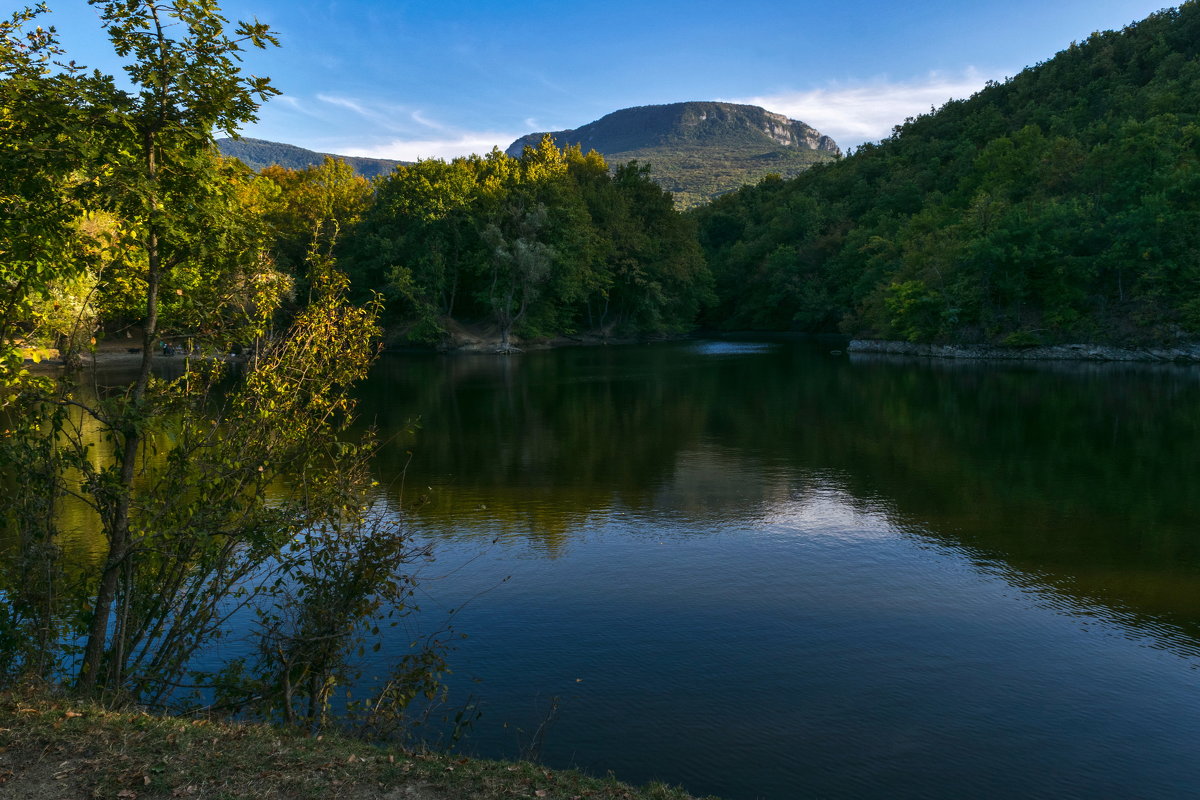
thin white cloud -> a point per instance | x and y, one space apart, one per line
459 144
390 131
420 118
853 114
287 100
345 102
393 119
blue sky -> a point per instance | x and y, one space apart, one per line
448 77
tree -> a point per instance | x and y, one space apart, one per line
46 132
1058 206
203 485
548 244
310 206
419 241
166 188
520 263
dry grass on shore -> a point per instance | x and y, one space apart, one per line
54 748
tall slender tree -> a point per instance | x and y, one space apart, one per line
183 66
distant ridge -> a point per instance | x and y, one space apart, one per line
259 153
698 150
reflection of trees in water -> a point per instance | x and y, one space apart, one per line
77 523
1081 475
543 441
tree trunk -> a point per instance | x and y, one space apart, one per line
117 522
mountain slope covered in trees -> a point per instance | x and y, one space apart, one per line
700 149
1063 204
259 153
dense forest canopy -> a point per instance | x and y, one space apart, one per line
1058 206
1061 205
546 244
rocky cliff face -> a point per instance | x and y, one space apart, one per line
701 149
716 125
790 133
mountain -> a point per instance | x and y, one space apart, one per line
258 153
699 150
1061 206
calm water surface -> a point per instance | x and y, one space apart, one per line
760 570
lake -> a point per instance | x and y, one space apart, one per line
758 569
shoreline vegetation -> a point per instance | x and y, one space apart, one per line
52 747
1058 206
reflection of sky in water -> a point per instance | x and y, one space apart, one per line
812 643
731 348
752 629
786 575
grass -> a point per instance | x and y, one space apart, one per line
53 747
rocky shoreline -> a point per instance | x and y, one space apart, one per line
1182 353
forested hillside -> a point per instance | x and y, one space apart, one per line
1063 204
259 153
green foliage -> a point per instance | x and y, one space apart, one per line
216 491
694 175
67 318
915 310
547 244
307 208
1059 205
46 130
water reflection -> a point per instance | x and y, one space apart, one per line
779 571
1080 475
764 570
